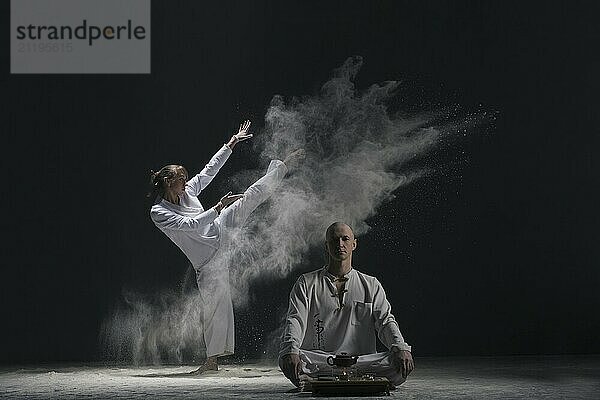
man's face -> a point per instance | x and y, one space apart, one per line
340 242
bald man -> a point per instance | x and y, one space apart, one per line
338 309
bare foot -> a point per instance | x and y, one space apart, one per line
294 158
209 365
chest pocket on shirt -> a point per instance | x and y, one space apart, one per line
361 313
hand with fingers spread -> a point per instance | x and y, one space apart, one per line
241 135
291 367
227 200
402 361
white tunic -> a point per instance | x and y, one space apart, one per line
199 234
188 225
317 320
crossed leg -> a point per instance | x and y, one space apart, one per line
314 364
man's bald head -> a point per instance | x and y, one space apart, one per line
340 241
335 226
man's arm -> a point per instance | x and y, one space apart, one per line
389 332
385 322
293 332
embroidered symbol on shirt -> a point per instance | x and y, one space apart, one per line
319 328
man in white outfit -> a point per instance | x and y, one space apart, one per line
338 309
203 235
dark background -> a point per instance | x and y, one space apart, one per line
496 253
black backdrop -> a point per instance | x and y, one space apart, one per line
494 254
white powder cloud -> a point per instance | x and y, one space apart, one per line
356 157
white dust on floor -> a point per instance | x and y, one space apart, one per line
489 379
250 381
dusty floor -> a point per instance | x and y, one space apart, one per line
562 377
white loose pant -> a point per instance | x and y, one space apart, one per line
213 277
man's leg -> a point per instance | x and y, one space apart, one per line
236 215
380 364
314 364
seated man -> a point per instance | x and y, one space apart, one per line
337 309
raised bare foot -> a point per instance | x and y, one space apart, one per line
294 158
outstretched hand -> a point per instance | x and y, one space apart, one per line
227 200
241 135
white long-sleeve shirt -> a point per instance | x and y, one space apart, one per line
188 225
318 320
